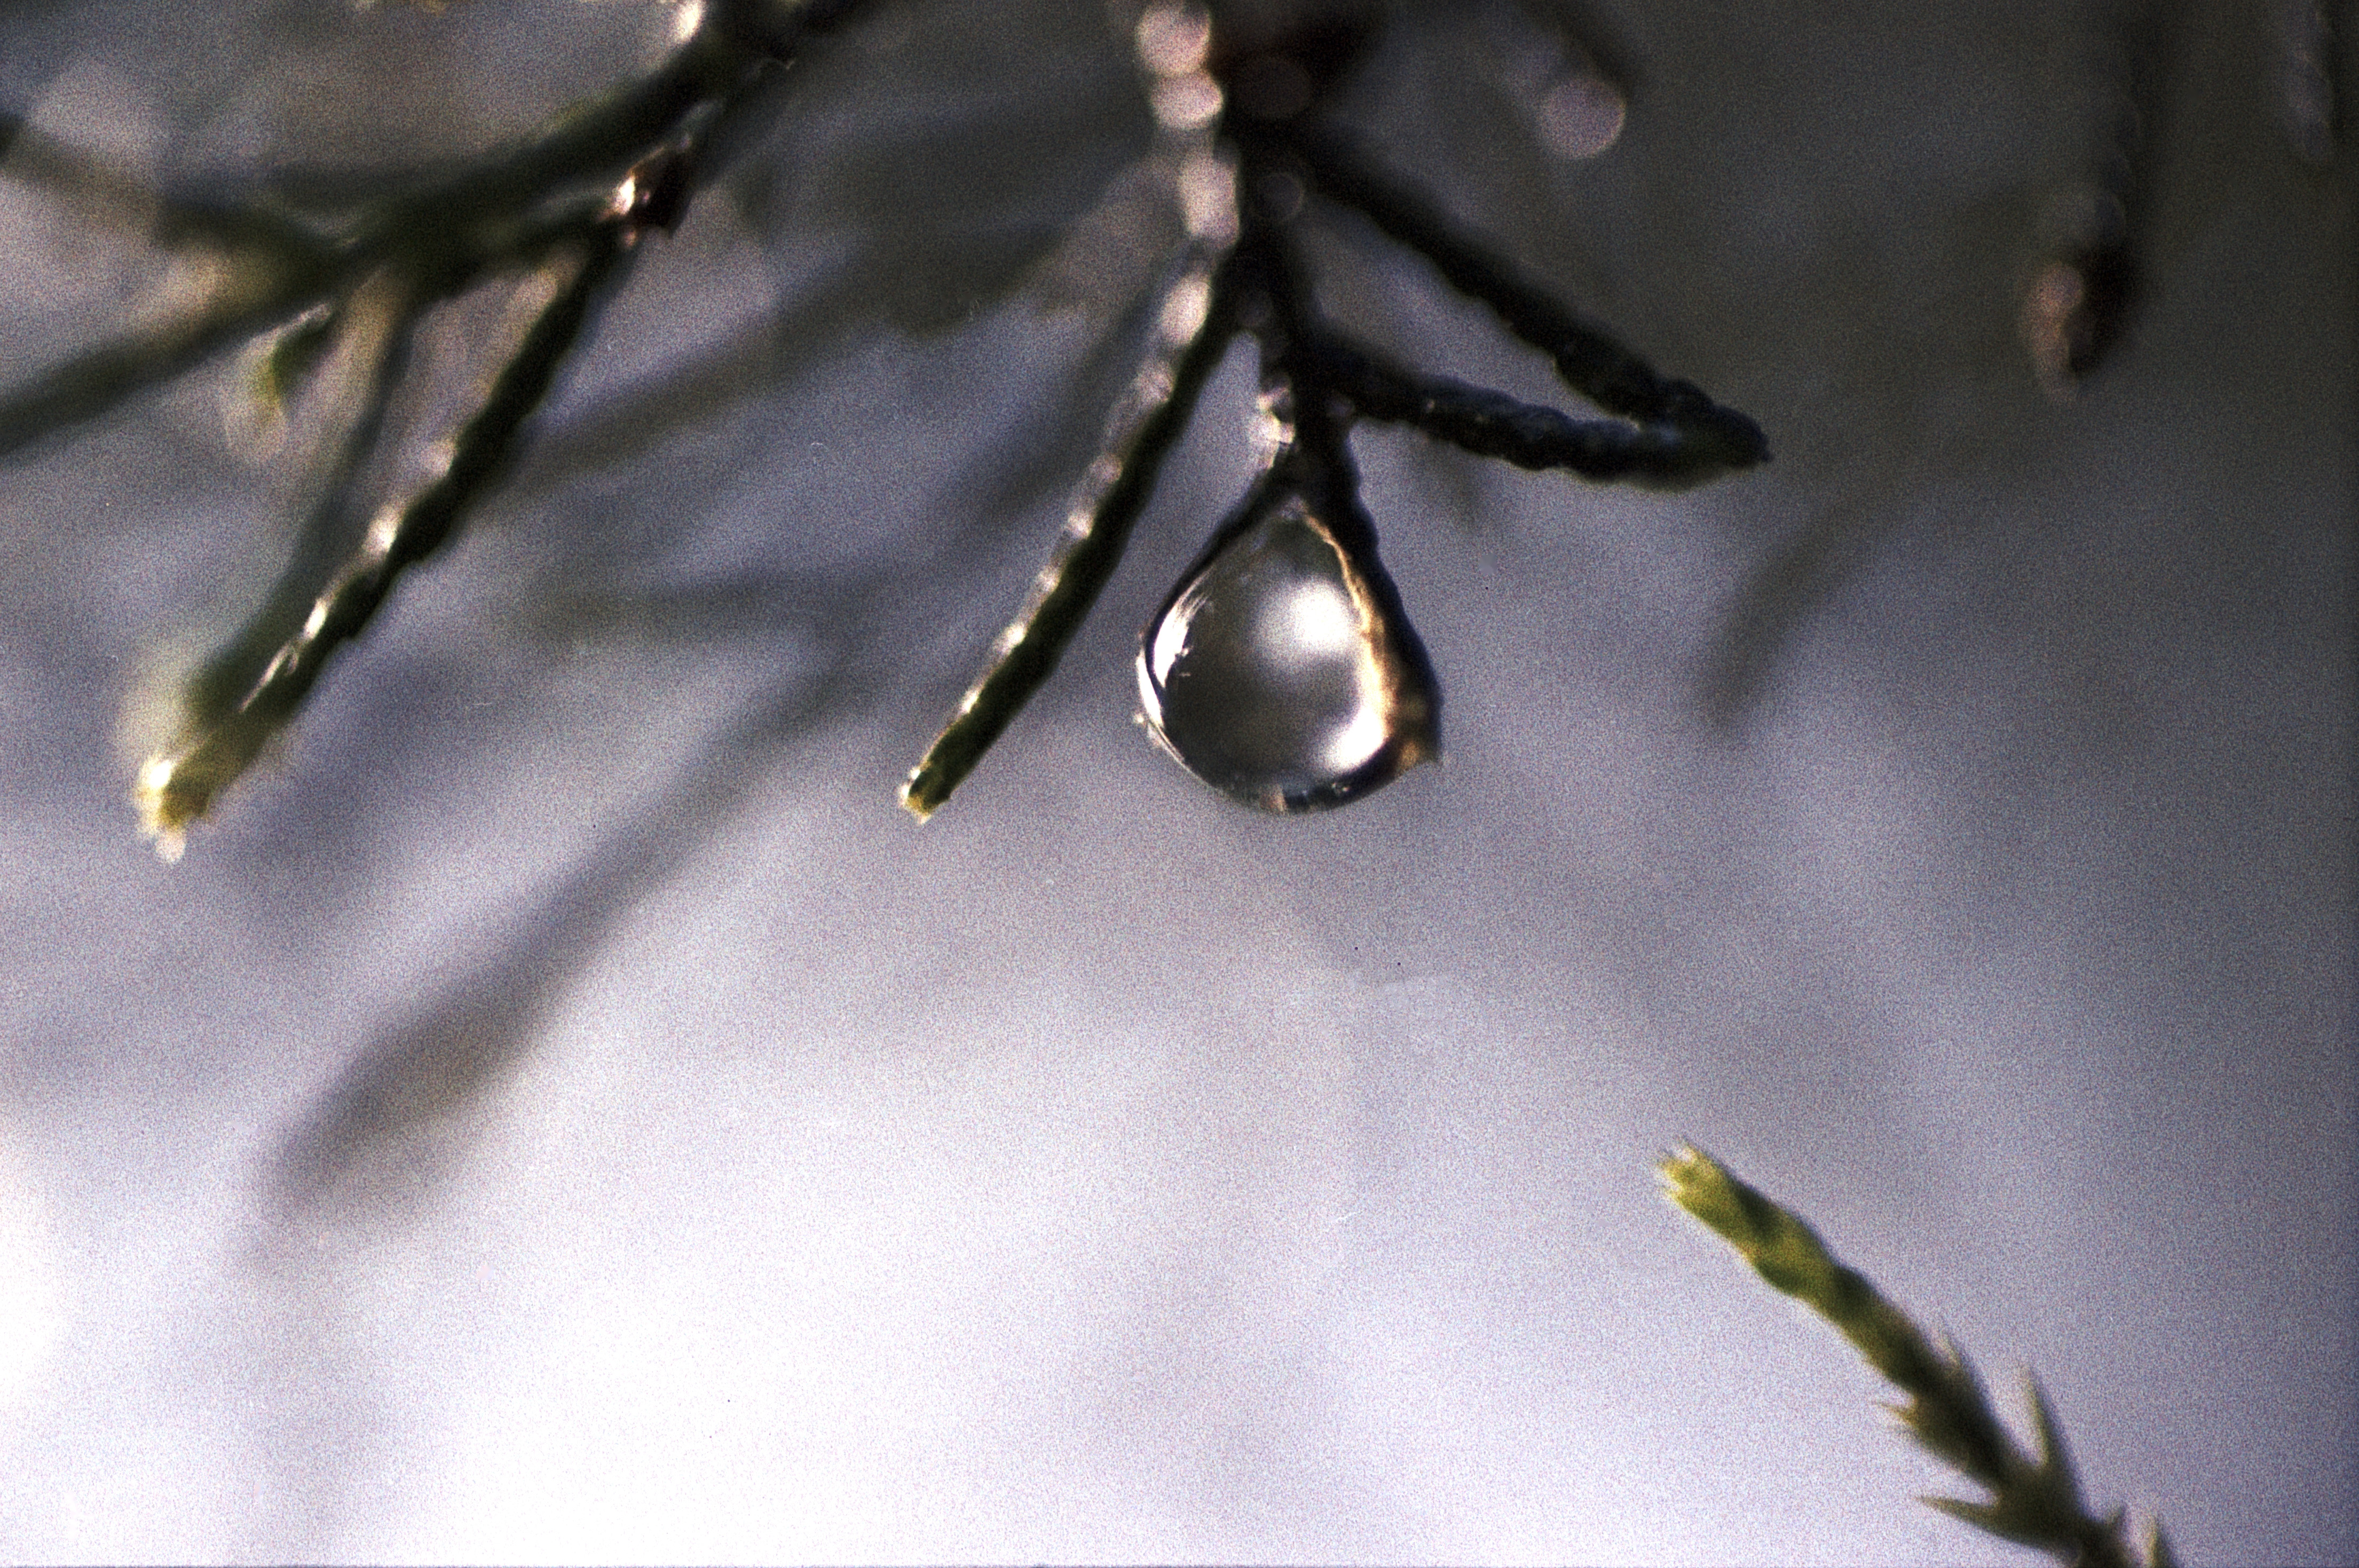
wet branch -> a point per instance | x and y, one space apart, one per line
564 211
1315 382
1097 529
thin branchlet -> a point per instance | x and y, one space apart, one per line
178 785
102 192
1661 456
375 329
272 268
250 296
1193 327
1588 360
510 213
2079 305
2035 1501
258 290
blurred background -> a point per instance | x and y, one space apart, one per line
562 1109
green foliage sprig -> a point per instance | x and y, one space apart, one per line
2034 1503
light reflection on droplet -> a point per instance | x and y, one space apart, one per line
1306 624
1358 739
1281 674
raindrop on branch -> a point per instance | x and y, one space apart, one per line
1283 670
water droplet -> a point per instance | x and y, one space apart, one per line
1283 671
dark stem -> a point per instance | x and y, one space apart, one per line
1097 530
1590 361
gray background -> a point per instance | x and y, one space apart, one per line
563 1110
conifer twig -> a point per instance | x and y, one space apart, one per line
294 257
178 785
1491 423
520 213
1193 329
1719 440
2034 1503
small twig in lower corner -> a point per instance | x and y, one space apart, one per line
2033 1502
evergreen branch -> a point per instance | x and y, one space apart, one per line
738 45
375 329
263 289
509 212
305 264
178 785
1590 361
2034 1503
451 230
595 145
1194 326
264 284
1491 423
